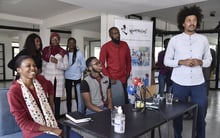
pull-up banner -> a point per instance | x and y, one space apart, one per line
138 35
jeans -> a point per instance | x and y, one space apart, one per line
164 79
198 95
72 134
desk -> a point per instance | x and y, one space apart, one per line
137 123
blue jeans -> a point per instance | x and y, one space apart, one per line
164 79
198 95
72 134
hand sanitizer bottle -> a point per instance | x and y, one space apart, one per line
119 126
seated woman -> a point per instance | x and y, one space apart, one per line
96 88
28 102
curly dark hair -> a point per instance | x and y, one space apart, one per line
186 11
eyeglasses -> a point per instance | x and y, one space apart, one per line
96 63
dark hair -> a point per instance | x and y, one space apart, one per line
75 49
187 11
89 60
165 42
30 45
19 61
112 28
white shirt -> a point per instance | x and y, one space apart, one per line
185 46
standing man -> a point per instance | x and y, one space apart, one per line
116 59
187 53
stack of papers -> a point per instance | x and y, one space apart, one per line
77 117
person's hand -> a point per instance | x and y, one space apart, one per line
57 131
196 62
191 62
53 60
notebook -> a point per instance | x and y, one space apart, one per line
77 117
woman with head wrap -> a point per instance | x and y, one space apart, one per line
55 62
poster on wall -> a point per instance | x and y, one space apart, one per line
138 35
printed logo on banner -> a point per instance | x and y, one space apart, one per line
135 29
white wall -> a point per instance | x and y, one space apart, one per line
80 35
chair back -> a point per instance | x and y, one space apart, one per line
7 120
150 91
81 103
117 93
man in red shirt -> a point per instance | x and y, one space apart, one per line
116 59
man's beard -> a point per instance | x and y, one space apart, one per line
117 41
95 70
192 28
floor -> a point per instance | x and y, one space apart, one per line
212 119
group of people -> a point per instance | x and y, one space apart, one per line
44 73
40 80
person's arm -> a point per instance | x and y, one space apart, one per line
19 111
109 98
128 62
57 131
62 63
83 63
87 99
102 59
169 55
207 57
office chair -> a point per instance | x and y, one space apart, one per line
81 103
117 93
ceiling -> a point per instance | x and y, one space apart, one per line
162 9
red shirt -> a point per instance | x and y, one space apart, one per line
19 108
116 60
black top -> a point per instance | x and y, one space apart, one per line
37 60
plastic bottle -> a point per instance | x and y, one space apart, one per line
119 126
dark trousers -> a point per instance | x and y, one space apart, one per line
69 85
164 80
198 95
56 102
125 92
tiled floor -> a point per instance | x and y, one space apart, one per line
212 119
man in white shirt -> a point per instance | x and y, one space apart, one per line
187 53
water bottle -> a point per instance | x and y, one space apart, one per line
119 126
